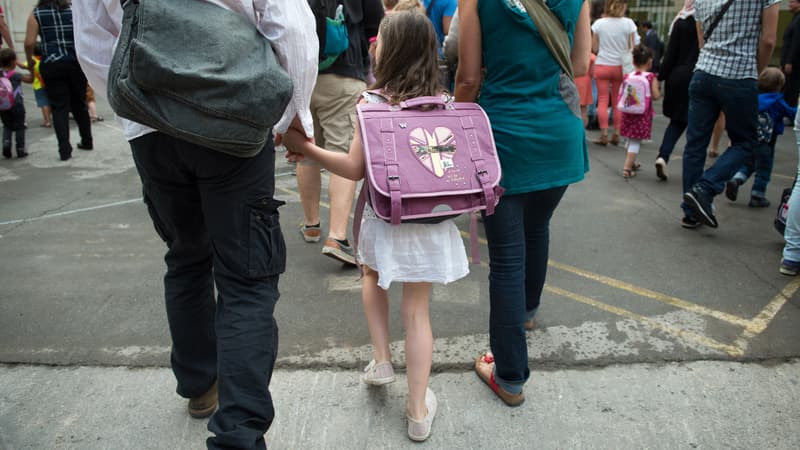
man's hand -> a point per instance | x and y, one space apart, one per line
787 69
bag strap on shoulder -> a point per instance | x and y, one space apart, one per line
716 20
553 33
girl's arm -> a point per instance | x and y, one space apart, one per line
655 90
595 43
468 75
348 165
27 78
582 42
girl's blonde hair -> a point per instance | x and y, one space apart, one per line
409 5
407 66
615 8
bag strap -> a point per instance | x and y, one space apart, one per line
553 33
716 20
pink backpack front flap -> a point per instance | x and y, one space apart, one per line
423 164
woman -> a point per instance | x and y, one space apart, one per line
539 158
614 35
51 21
676 70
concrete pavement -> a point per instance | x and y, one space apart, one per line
650 336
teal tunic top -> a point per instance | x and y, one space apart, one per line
540 142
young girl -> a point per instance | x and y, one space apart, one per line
636 127
414 254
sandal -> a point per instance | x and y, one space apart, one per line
603 140
628 173
615 139
487 359
636 166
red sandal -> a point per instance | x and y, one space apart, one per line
507 397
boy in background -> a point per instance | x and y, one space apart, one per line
13 118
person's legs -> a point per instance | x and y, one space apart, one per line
703 113
249 254
505 233
19 130
173 202
418 346
739 102
376 309
671 135
791 251
8 131
77 100
337 115
616 83
602 77
763 157
716 136
539 209
58 95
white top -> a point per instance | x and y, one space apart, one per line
612 34
288 25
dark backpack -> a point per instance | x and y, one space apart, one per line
331 30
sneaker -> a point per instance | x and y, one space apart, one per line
732 189
311 233
790 268
339 251
7 154
85 146
21 153
758 202
204 405
690 222
420 430
702 206
378 374
661 169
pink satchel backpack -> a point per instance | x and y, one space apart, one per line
427 159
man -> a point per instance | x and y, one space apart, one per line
5 32
736 51
440 12
217 214
333 106
790 55
653 42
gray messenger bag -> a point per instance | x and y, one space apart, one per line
199 73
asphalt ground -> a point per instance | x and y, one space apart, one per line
628 290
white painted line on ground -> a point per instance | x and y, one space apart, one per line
72 211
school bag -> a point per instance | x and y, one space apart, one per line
634 94
427 159
7 92
331 30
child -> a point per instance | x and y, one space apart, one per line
414 254
39 92
772 108
14 118
637 127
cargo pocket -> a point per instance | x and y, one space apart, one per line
161 230
266 248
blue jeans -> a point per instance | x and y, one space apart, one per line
761 165
791 251
218 217
518 234
708 96
671 135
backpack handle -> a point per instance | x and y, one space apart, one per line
424 101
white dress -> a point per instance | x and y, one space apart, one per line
411 252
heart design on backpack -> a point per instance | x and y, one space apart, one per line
434 150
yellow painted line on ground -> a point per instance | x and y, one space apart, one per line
763 319
670 300
787 177
731 350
